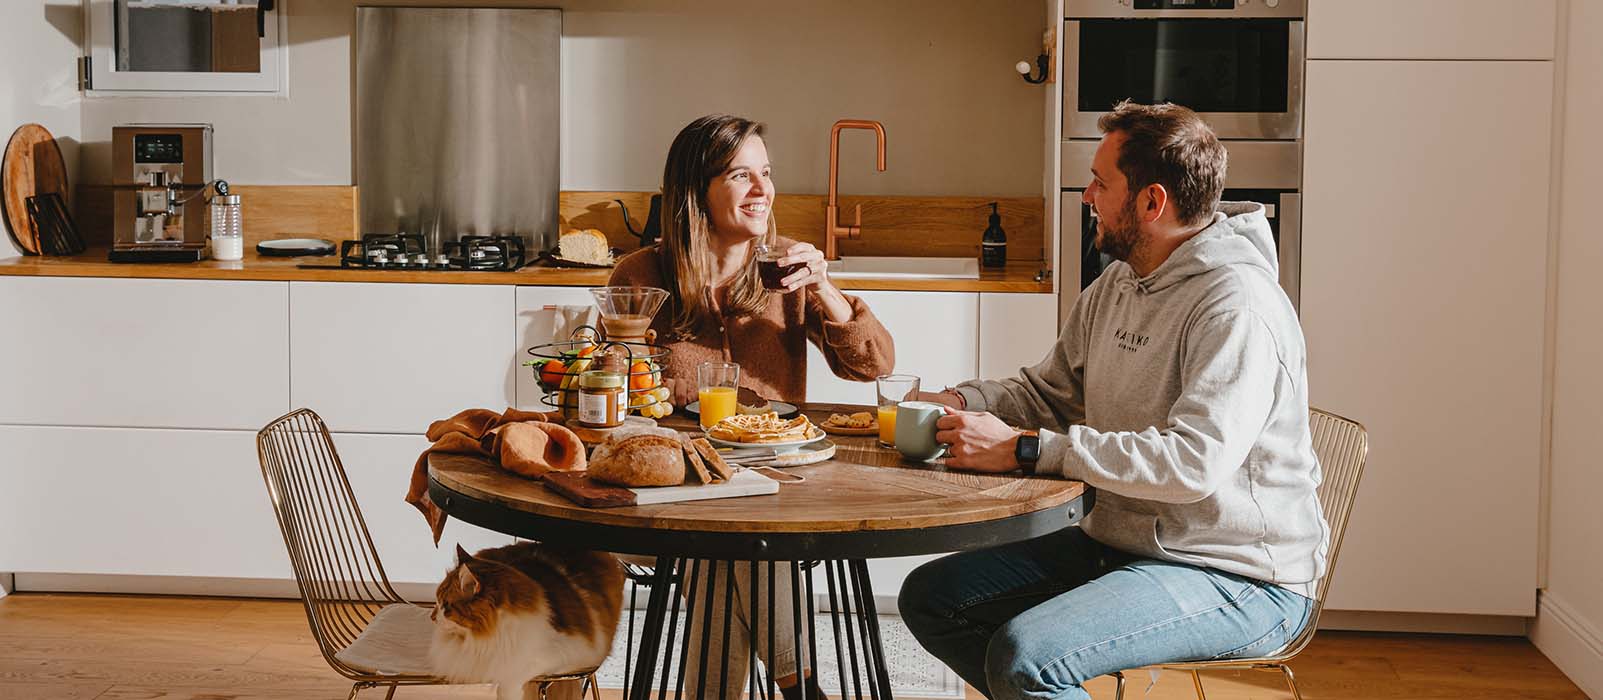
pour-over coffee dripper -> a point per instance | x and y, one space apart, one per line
626 312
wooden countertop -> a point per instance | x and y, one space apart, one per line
1019 276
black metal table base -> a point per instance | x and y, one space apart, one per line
666 659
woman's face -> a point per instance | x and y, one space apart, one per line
739 198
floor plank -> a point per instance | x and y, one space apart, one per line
104 647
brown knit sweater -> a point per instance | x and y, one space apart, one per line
771 347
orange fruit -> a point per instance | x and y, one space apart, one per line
640 375
551 372
586 350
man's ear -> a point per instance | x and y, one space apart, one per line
1157 201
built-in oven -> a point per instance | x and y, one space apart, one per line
1267 172
1239 63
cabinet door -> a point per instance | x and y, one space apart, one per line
143 502
541 319
1432 29
1425 220
935 335
1016 331
378 467
391 358
143 353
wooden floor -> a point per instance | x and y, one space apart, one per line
78 647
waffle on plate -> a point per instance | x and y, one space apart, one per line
762 428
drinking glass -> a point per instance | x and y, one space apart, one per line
716 387
893 389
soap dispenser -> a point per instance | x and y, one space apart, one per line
993 245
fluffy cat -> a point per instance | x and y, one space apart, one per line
512 613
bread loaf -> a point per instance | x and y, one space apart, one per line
587 246
641 460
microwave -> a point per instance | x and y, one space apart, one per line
1237 63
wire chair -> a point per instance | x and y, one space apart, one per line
366 631
1342 446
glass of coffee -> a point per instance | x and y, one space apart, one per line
768 268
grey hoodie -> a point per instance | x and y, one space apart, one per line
1182 397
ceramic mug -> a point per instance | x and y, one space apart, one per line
915 430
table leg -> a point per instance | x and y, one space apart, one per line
651 630
865 589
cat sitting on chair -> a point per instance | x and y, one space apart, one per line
509 614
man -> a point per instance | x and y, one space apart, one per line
1177 389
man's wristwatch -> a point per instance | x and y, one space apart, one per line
1027 450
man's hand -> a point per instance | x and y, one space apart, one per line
945 398
979 441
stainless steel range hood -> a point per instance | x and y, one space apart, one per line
457 122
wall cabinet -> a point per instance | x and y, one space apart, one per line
392 358
1432 29
127 501
1426 197
935 339
144 353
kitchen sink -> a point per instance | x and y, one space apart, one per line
905 268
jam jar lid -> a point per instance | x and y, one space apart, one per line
600 379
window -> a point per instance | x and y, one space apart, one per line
186 46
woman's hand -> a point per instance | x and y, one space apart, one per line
681 393
815 278
816 272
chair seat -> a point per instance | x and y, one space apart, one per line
395 643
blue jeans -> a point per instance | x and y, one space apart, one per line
1037 619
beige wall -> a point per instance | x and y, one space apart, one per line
38 76
938 73
1573 600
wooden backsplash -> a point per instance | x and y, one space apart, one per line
919 226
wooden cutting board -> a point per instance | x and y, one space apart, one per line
592 494
32 165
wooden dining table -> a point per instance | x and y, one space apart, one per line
866 502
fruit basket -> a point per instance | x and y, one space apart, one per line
557 367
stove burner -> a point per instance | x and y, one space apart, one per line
406 251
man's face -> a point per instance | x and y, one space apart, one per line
1118 229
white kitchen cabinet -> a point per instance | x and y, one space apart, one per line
1432 29
138 502
144 352
1425 220
544 314
392 358
379 467
935 336
1016 331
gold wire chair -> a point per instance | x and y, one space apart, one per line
366 631
1342 446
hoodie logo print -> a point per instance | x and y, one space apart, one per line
1130 341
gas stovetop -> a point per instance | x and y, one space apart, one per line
406 251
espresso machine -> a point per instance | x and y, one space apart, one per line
159 172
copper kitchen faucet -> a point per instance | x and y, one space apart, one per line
832 227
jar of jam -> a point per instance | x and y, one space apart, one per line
603 400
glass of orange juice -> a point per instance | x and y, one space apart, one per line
893 389
716 387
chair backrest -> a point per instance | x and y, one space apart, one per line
1342 446
336 565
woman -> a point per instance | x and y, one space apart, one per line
717 204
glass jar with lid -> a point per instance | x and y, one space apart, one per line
603 398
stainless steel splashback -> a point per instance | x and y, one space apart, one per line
457 127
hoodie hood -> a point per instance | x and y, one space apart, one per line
1239 235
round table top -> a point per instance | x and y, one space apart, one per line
867 500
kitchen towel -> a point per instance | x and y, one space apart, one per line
525 443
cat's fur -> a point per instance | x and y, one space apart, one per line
512 613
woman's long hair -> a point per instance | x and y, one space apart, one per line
701 152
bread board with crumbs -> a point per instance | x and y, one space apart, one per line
580 489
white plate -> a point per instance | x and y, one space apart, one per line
785 410
777 447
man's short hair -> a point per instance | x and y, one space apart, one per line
1171 146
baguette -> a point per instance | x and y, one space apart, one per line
642 460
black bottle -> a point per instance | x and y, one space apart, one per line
993 245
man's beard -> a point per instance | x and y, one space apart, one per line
1119 241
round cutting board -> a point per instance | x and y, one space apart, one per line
32 165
